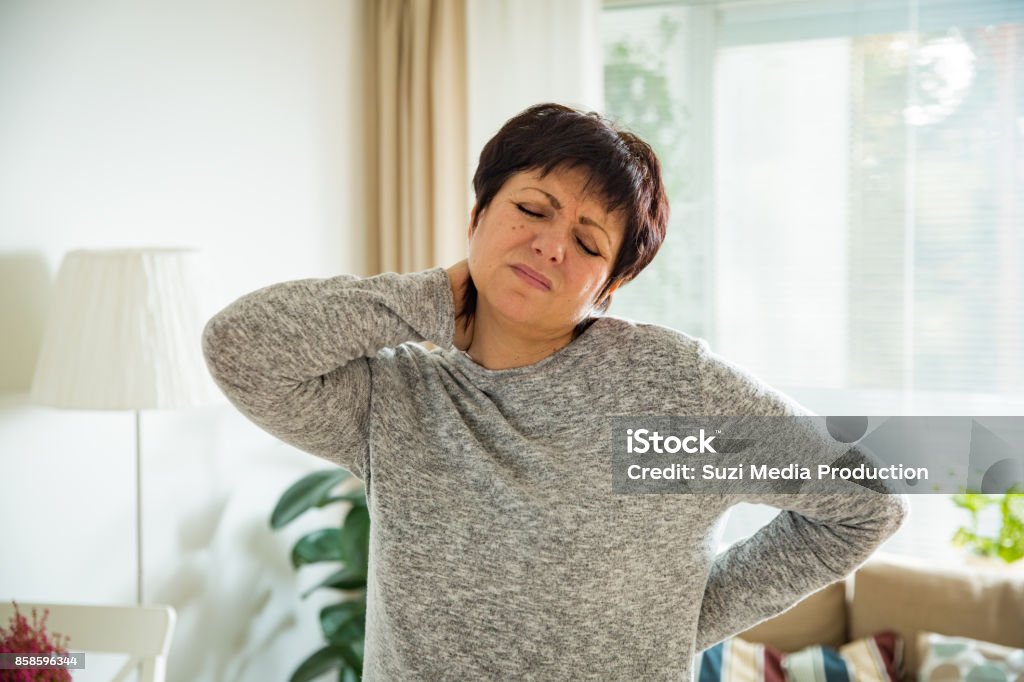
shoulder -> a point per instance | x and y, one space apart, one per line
652 350
724 385
731 388
649 336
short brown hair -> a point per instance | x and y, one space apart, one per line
624 168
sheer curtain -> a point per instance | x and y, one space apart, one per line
846 180
523 52
418 116
447 74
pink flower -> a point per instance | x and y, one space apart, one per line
23 638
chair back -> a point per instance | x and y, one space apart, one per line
142 632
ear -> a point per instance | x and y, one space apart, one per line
472 222
611 290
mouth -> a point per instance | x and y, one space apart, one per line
532 277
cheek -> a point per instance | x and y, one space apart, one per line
585 283
596 275
513 234
495 243
484 253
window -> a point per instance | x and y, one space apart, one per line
846 180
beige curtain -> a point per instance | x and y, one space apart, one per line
418 126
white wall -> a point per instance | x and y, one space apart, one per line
233 127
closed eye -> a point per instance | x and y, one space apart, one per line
584 247
529 213
578 240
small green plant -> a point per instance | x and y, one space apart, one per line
1007 542
344 623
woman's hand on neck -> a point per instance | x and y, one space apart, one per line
504 344
458 277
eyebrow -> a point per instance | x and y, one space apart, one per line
583 219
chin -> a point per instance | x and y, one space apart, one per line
520 313
515 307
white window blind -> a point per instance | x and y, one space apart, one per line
847 189
846 185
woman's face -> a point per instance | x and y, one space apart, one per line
541 251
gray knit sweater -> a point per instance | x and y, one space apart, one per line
498 550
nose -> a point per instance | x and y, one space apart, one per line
551 241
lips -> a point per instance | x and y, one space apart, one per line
529 274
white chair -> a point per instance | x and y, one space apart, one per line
142 632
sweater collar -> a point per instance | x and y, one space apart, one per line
565 356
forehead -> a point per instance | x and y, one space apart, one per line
572 182
569 186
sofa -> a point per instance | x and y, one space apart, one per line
908 597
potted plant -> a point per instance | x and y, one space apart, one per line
23 638
1006 541
343 624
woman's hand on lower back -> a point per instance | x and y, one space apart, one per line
458 275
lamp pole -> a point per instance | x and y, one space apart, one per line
138 503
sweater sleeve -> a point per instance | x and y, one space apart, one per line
815 540
293 357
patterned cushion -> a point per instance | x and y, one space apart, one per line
736 659
878 658
948 659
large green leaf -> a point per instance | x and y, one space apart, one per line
319 662
310 491
343 579
325 544
354 662
355 539
344 622
356 498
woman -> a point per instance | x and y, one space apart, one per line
498 549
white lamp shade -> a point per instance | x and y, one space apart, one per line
124 333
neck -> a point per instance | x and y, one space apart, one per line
499 344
